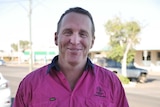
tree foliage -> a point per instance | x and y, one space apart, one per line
123 38
21 45
14 47
116 53
122 34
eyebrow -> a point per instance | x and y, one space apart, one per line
84 31
70 29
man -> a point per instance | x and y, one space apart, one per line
72 80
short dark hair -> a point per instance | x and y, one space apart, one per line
76 10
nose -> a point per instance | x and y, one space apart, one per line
75 39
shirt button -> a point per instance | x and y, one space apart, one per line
52 99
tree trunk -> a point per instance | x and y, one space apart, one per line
124 60
123 69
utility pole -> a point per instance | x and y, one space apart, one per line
30 37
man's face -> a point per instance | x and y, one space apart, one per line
74 38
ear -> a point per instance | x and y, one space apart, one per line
92 42
56 38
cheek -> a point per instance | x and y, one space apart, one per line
87 44
63 41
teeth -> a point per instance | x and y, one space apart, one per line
74 49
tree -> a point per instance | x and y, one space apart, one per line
21 45
14 47
123 38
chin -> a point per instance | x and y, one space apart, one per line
75 57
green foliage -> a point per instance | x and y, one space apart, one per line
130 56
22 45
14 47
122 34
116 53
123 79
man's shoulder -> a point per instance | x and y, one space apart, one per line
100 69
33 80
37 73
104 72
106 76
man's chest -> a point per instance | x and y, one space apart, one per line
88 92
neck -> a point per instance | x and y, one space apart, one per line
71 72
71 67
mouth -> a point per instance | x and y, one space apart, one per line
74 49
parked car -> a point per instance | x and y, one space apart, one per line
133 73
5 92
2 62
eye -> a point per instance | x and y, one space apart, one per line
67 32
83 34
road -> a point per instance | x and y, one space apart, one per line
142 95
145 95
138 100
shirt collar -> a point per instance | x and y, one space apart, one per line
55 66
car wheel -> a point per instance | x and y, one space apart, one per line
142 78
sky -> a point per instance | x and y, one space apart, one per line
14 19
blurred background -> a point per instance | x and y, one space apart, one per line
27 30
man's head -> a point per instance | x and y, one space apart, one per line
75 36
77 10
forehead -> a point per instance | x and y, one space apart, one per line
76 20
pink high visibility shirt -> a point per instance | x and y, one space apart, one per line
48 87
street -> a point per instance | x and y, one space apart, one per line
138 100
145 95
142 95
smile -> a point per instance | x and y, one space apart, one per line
74 49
